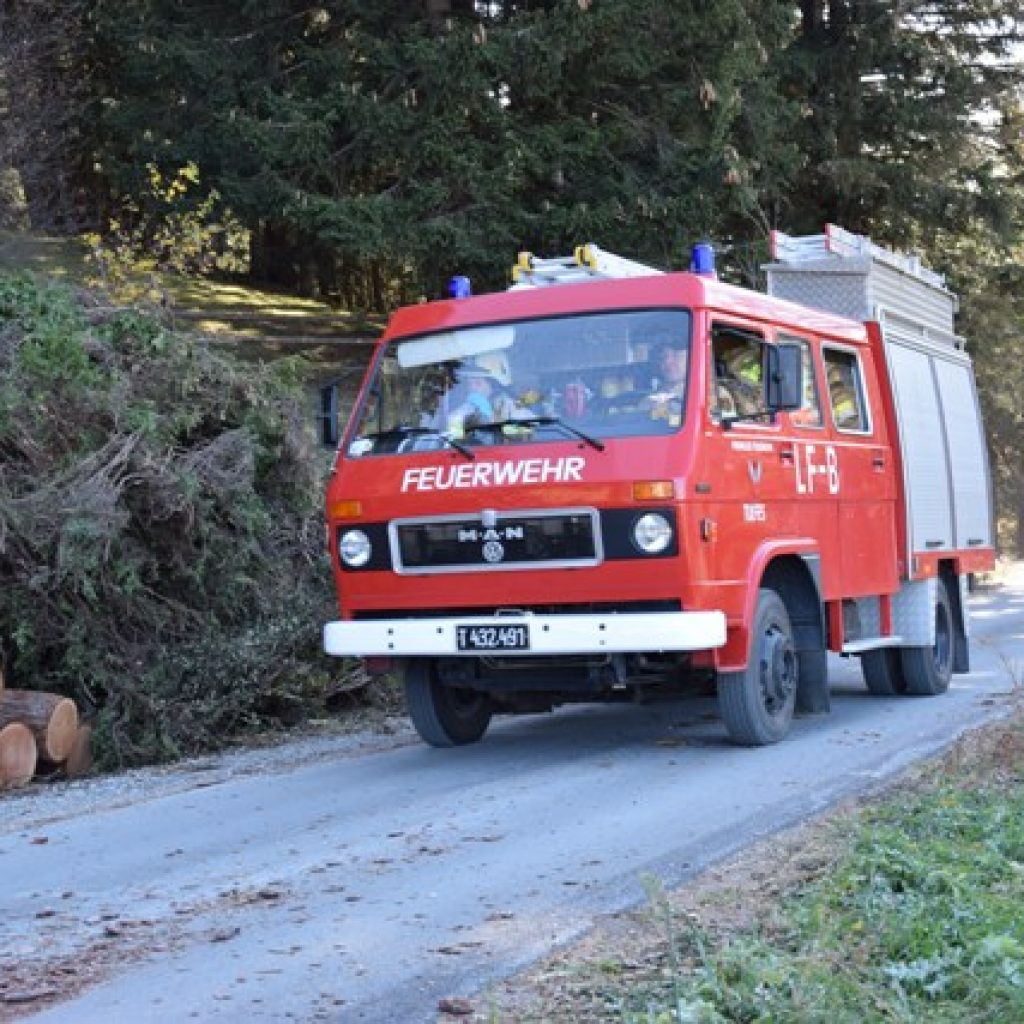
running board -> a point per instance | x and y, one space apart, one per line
871 644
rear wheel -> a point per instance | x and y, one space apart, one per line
883 672
929 669
444 716
757 704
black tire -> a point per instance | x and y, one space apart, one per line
883 672
929 669
444 716
757 704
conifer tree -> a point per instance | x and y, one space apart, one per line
374 147
899 99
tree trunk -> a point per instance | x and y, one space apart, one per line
18 755
812 16
437 10
53 720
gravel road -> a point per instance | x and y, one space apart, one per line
366 878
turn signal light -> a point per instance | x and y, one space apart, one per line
649 490
345 509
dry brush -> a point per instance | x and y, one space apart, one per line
160 533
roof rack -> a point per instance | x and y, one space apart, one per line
587 263
838 242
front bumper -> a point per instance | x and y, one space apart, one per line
626 633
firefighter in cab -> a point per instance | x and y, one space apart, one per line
482 394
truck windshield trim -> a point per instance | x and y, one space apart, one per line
593 376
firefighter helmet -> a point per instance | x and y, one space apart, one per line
490 364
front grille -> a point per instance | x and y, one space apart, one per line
549 539
575 608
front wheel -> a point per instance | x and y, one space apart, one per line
444 716
928 670
757 704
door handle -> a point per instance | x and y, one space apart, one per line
787 454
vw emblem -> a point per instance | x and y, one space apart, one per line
493 551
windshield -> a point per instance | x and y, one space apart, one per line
592 376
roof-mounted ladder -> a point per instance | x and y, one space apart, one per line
587 263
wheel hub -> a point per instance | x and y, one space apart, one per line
778 669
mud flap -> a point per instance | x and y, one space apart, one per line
957 589
812 693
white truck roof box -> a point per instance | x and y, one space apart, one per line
945 461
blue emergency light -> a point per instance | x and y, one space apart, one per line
702 260
459 287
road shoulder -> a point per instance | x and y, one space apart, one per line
737 897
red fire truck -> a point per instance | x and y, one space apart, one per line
610 483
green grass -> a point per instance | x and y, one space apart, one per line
916 914
62 258
202 293
919 920
225 309
66 258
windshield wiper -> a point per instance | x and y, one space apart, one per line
542 421
424 432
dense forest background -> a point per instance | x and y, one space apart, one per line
362 151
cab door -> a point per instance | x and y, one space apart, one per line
858 470
810 461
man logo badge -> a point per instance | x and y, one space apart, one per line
493 551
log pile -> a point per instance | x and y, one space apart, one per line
39 734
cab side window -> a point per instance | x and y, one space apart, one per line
846 391
809 413
737 379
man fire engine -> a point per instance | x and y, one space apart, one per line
814 479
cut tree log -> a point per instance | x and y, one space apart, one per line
18 755
78 762
53 720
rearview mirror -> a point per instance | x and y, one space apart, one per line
327 416
785 386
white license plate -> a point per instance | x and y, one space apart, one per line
493 638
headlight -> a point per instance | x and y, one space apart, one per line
652 533
355 548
